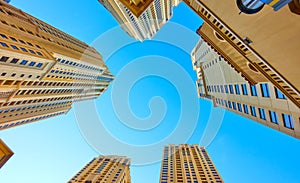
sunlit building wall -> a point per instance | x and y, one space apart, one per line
104 169
266 42
188 163
43 70
221 83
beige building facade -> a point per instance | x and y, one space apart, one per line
5 153
43 70
141 19
104 169
226 87
266 42
188 164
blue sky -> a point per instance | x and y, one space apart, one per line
54 150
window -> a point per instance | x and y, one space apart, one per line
14 60
3 44
262 113
39 53
229 104
14 47
253 111
32 64
237 89
24 62
23 49
39 65
253 90
4 59
246 109
240 107
244 89
231 89
29 44
3 36
12 38
21 41
234 105
31 51
273 117
226 88
279 95
287 120
265 90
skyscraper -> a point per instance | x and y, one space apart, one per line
220 82
265 43
188 163
104 169
43 70
141 19
5 153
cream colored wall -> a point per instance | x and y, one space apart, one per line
221 73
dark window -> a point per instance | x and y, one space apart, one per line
3 36
240 107
14 47
246 109
279 95
39 53
24 62
253 90
244 88
32 64
262 113
229 105
265 90
273 117
21 41
39 65
29 44
231 89
237 89
3 44
234 105
4 59
253 111
14 60
226 88
12 38
23 49
287 120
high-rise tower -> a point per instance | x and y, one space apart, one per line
265 43
43 70
104 169
227 87
5 153
141 19
188 164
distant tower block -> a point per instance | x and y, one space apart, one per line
188 164
104 169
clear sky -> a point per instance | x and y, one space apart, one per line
152 102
